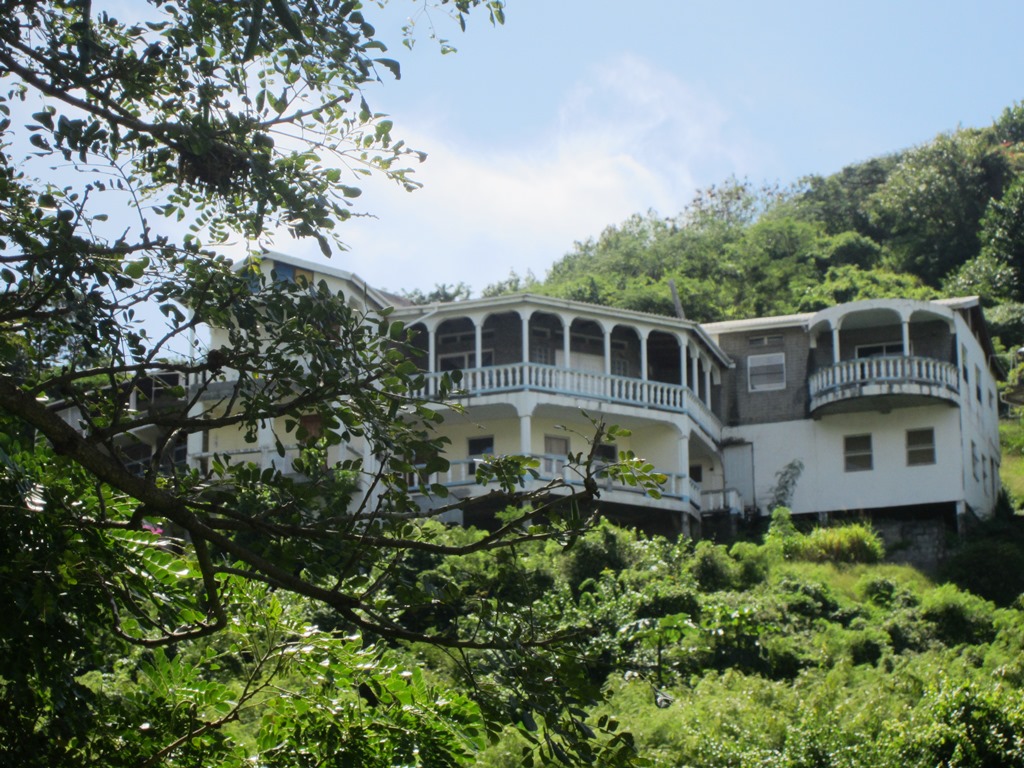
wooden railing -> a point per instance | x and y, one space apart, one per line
828 383
658 395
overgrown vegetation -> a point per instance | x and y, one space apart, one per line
797 650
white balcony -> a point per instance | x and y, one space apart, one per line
518 377
881 383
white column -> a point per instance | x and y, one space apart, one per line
266 443
525 434
524 318
478 342
835 345
683 346
707 382
684 464
643 355
607 351
906 336
693 371
566 342
431 360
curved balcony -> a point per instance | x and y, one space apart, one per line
882 383
515 377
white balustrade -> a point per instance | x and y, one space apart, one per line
850 374
658 395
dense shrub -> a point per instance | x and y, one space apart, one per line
962 727
605 548
854 543
754 562
958 617
713 569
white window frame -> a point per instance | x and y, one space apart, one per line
857 454
920 453
764 361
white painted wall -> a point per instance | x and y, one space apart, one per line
824 484
979 419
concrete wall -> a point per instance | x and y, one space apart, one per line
825 485
741 406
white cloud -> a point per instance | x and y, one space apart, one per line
629 139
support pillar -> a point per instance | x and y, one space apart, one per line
707 383
694 386
525 435
478 344
525 320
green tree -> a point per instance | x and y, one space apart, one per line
442 292
1002 227
932 202
162 616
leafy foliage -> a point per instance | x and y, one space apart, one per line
238 611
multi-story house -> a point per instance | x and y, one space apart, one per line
880 408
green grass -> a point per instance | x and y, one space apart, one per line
1011 471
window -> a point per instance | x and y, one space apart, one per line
977 383
555 451
311 426
463 337
920 447
620 366
286 273
765 341
885 349
606 453
461 361
974 459
766 372
542 355
481 446
857 453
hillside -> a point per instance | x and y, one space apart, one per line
798 649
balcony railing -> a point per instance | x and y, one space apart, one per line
914 376
516 377
462 472
728 500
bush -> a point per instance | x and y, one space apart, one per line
754 562
963 728
604 548
958 617
855 543
712 567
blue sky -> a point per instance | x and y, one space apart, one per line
578 113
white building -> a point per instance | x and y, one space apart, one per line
890 405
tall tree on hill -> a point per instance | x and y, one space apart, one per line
932 202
